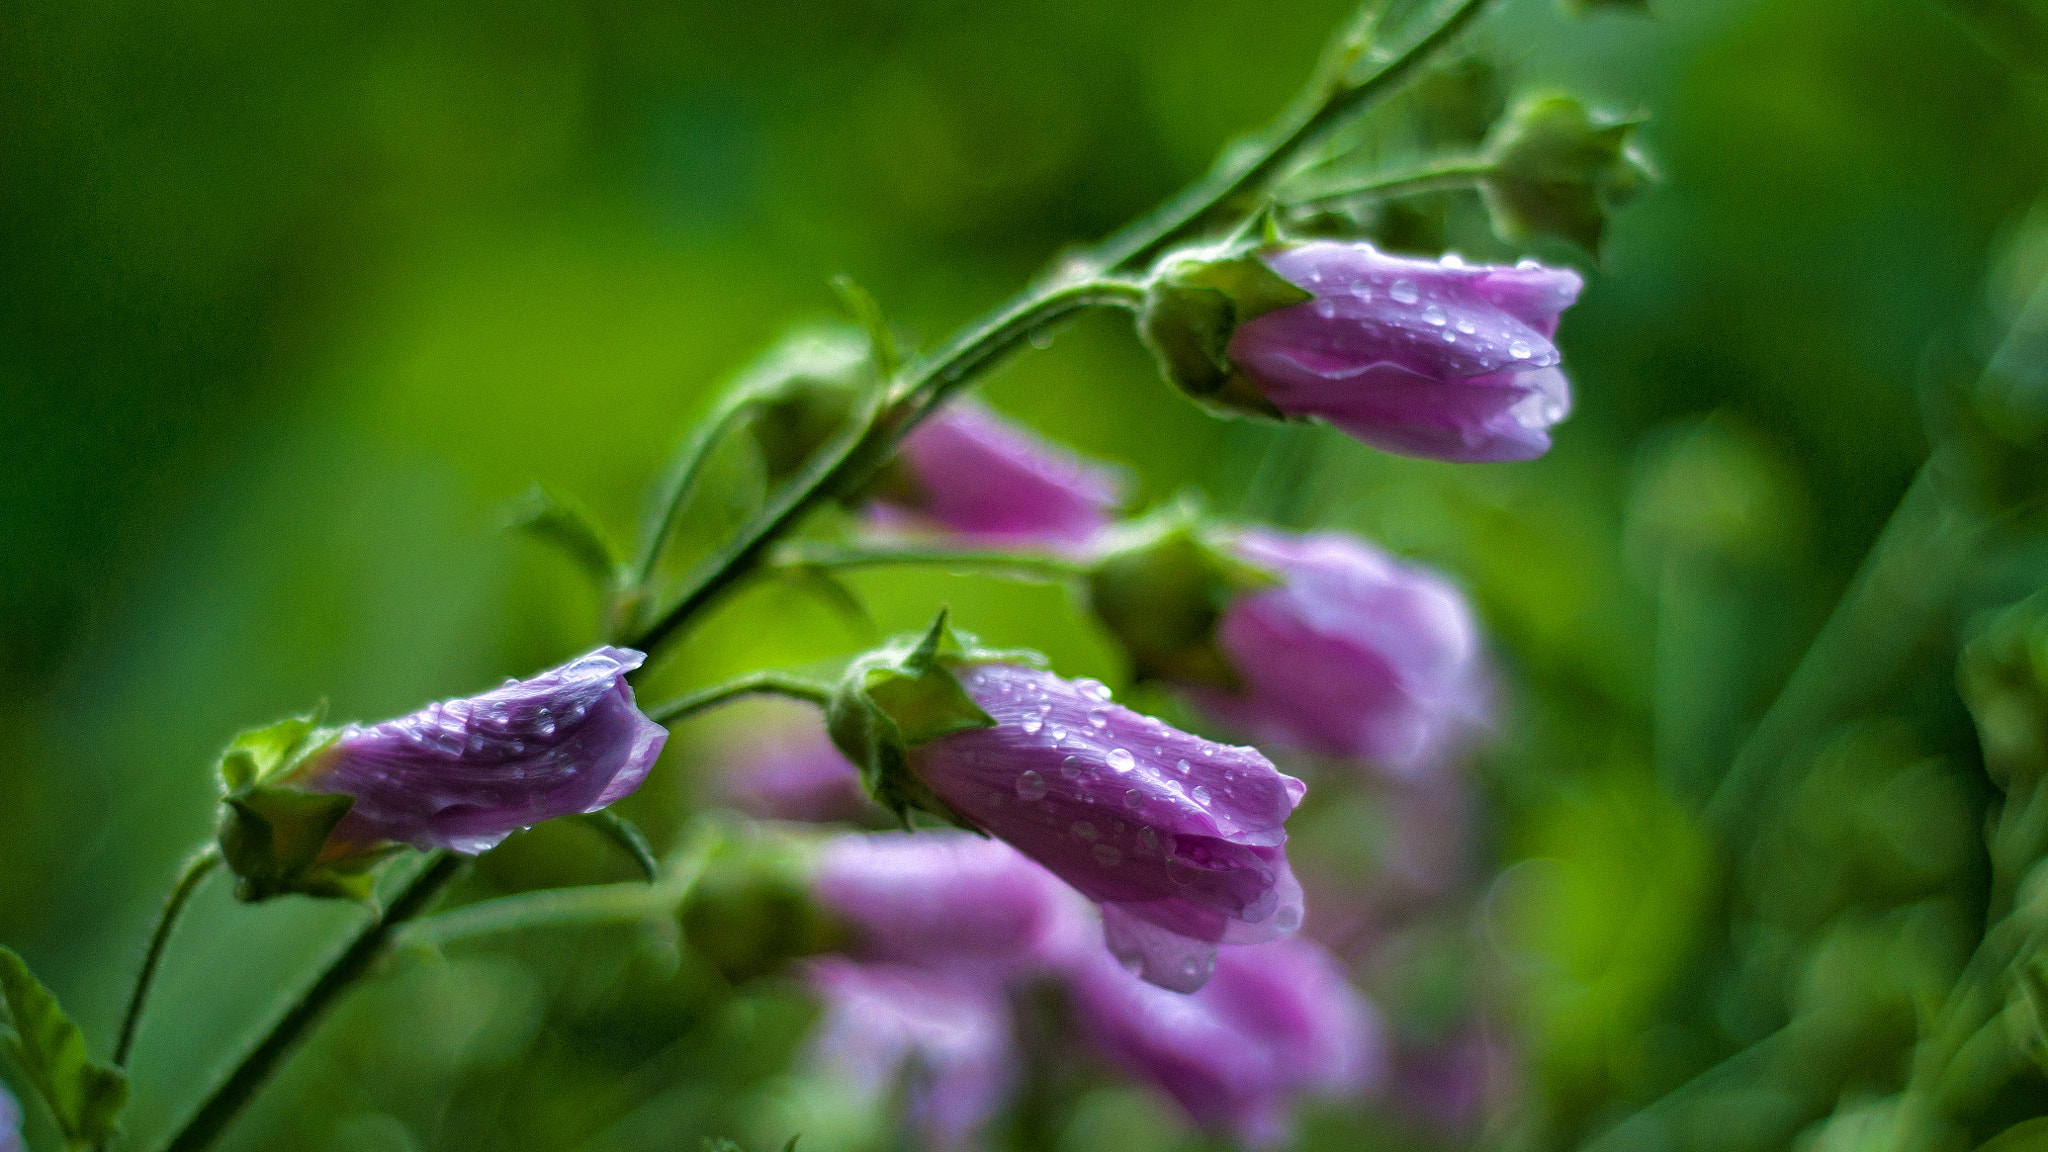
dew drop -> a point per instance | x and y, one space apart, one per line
1403 292
1181 766
1527 264
1095 689
1450 337
1042 339
1107 855
1031 725
1200 794
1134 799
1030 786
1452 260
1148 840
1435 315
1082 830
1208 751
1072 768
1058 733
1326 307
1121 759
1098 718
1520 349
1466 326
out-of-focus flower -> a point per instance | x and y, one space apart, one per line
784 767
971 472
943 1038
305 804
1182 840
1424 358
10 1123
1318 641
1278 1021
1450 1083
946 899
1352 654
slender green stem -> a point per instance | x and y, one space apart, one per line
1244 173
752 684
1436 178
194 872
1037 565
570 907
220 1109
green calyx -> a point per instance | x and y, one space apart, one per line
900 696
802 393
1160 589
1555 169
1194 303
274 835
2003 676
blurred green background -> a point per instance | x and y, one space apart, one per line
294 299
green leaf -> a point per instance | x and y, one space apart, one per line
1558 170
86 1098
272 751
2025 1136
276 841
920 695
881 341
566 524
628 837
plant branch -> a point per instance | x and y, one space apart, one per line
220 1109
752 684
1463 173
839 558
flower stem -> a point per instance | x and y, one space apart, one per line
752 684
1028 564
213 1117
195 870
1241 174
1439 177
682 485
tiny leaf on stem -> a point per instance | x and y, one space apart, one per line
564 523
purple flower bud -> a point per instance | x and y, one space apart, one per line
782 766
1352 654
1277 1021
1451 1084
947 899
466 773
945 1037
973 472
1182 840
1412 356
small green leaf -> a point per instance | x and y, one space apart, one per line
628 837
881 341
566 524
272 751
86 1098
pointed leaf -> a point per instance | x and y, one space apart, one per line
566 524
888 357
265 753
86 1098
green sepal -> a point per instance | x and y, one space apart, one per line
903 695
801 394
85 1098
1194 303
1160 586
274 751
1554 169
2003 678
868 313
276 841
564 523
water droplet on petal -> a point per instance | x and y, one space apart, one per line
1082 830
1072 768
1435 315
1098 718
1148 839
1200 794
1326 307
1121 759
1466 325
1403 292
1030 786
1107 855
1134 799
1528 264
1031 725
1520 349
1181 766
